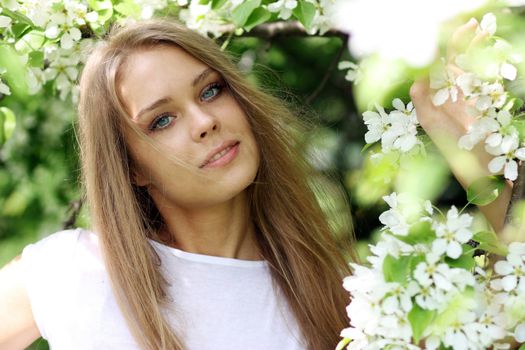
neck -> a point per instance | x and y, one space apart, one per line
224 229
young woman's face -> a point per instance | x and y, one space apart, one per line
207 152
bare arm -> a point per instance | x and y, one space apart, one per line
17 326
445 124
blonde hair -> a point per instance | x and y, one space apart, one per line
292 232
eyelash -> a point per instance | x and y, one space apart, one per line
218 85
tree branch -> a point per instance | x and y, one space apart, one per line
328 73
518 193
283 29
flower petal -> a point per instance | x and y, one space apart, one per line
398 104
440 97
519 333
511 170
496 164
454 250
503 267
509 282
508 71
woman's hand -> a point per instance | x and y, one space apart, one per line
446 123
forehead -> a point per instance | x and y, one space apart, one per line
153 72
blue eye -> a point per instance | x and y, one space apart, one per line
162 122
211 91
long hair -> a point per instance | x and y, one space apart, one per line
292 233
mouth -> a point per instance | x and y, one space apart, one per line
222 155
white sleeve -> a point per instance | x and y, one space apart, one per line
46 267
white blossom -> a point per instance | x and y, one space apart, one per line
519 333
405 210
491 95
388 245
397 130
353 72
480 129
506 153
443 80
451 234
469 84
284 7
4 20
512 269
458 335
488 24
377 123
505 131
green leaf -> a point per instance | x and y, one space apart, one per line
465 261
485 190
419 320
420 232
414 261
7 124
16 71
20 29
242 12
519 124
18 17
204 2
514 105
215 4
128 8
304 12
36 59
258 16
105 12
396 270
100 5
344 342
522 347
488 241
367 146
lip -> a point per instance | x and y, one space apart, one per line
225 159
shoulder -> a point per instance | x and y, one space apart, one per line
60 255
62 246
55 270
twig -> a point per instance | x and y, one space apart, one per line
518 193
328 73
74 210
283 29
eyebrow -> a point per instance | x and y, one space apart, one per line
165 100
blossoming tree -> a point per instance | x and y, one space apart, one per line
432 280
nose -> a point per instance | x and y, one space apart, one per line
203 124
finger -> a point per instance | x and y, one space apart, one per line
419 89
478 40
461 38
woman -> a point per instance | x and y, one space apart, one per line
207 234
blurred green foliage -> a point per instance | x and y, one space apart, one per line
39 169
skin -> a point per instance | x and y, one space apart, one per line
205 208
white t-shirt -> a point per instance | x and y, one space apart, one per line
219 303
